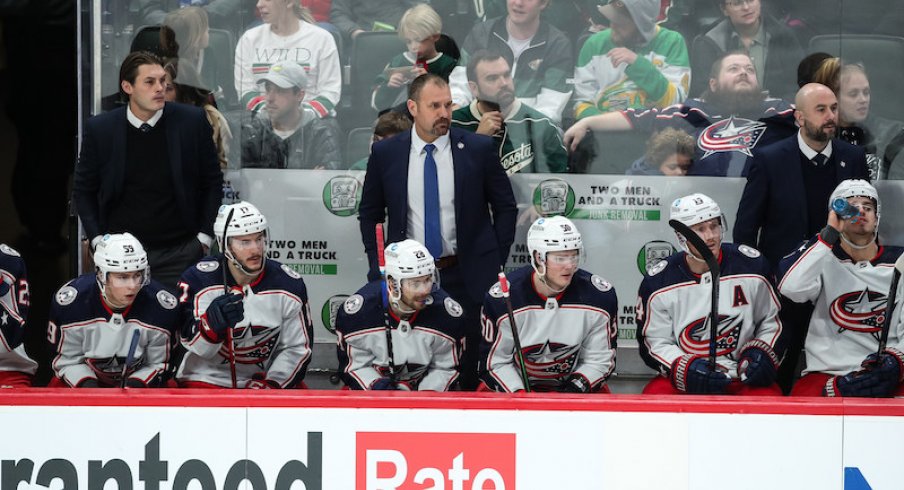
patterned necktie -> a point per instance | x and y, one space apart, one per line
819 160
145 127
433 237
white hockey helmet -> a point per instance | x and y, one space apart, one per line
120 253
246 219
408 259
854 188
694 209
553 234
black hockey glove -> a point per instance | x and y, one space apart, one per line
574 384
758 363
224 312
135 383
879 378
88 383
384 384
693 374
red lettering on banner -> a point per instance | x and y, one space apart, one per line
422 461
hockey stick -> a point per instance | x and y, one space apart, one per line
713 264
381 261
890 304
136 334
519 355
230 340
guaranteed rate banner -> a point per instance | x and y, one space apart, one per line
623 220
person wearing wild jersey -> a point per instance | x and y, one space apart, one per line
263 303
565 317
16 368
846 274
95 317
674 305
527 140
414 340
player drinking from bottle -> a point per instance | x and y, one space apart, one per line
565 319
846 274
674 305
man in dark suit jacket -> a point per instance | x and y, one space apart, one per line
150 168
786 199
477 210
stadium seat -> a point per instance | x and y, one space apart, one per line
370 53
357 145
883 57
220 57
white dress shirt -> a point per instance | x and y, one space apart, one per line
446 175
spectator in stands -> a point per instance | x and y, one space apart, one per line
289 34
772 47
420 28
541 57
807 67
673 309
114 323
634 64
424 323
856 124
283 135
232 15
527 140
187 91
150 168
352 17
670 152
16 368
248 317
732 119
845 272
389 124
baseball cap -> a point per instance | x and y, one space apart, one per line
286 74
642 13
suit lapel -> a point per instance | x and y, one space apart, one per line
795 181
459 163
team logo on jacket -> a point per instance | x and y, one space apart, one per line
353 304
732 134
554 197
254 344
341 195
600 283
208 265
9 250
453 307
859 311
66 295
290 272
694 338
550 361
166 299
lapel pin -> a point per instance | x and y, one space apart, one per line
842 163
461 145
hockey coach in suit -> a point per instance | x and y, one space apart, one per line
446 189
150 168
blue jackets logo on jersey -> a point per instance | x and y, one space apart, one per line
732 134
550 360
860 311
262 340
694 338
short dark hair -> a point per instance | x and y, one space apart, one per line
479 57
391 123
806 69
414 90
128 70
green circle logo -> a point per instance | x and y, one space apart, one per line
554 197
341 195
652 253
329 311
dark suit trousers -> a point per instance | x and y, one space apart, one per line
453 282
168 263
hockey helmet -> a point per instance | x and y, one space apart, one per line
408 259
246 219
554 234
694 209
854 188
120 253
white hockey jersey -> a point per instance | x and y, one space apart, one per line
849 303
574 332
92 341
13 313
274 339
673 305
426 348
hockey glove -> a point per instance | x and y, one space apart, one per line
758 363
384 384
135 383
693 374
223 313
260 382
574 384
879 378
88 383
